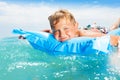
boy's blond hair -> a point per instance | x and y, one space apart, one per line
60 14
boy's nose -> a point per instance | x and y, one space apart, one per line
62 33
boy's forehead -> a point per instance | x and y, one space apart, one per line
63 22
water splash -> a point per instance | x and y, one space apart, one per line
17 57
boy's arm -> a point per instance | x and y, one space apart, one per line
113 39
89 33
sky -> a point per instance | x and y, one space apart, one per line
64 2
33 14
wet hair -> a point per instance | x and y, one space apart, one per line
60 14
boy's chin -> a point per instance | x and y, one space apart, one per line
63 40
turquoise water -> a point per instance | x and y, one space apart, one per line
19 61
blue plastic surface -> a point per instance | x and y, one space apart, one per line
81 45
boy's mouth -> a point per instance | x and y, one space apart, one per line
63 39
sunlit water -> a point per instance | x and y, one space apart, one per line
19 61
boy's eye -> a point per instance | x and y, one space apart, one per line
66 28
55 31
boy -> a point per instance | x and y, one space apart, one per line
64 27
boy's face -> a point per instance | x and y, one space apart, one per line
64 30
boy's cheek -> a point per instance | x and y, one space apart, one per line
55 37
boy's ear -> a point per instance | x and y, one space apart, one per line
76 25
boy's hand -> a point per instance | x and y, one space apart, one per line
114 40
47 30
21 37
